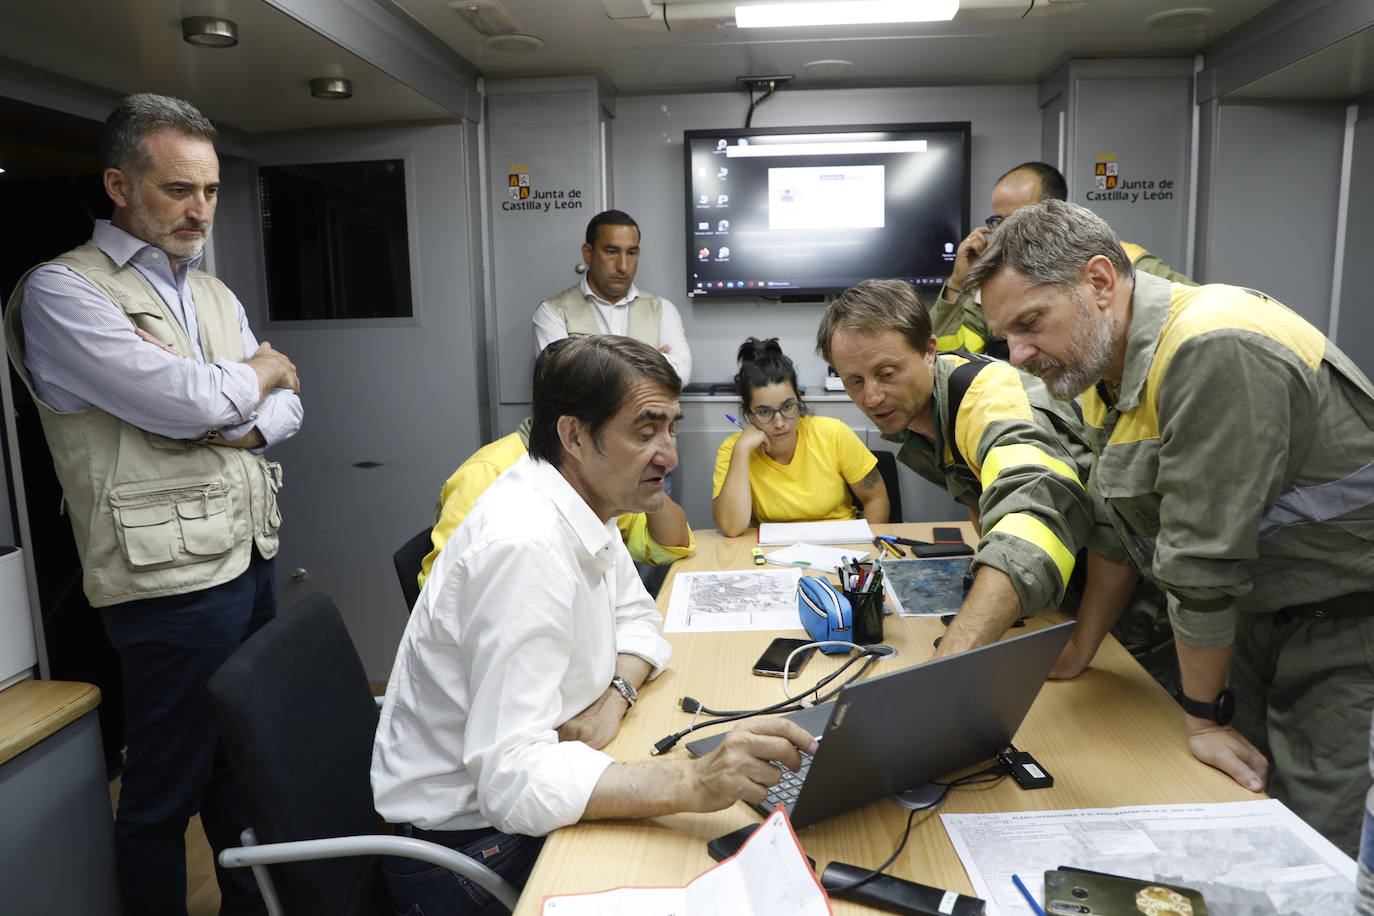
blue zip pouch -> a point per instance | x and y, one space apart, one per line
825 613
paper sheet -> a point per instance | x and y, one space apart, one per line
815 557
1250 858
769 875
848 531
734 600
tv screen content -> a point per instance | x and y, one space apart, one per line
813 211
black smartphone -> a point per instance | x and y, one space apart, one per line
775 656
943 535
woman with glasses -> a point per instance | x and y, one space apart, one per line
786 465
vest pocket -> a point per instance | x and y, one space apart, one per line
172 523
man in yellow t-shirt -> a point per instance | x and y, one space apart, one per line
656 538
812 486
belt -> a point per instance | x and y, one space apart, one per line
1356 604
450 838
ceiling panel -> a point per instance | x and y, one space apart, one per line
973 49
262 84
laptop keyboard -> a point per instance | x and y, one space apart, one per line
789 786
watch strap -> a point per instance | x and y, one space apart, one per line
625 689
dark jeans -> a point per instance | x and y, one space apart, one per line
168 649
421 889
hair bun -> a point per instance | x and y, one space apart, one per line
753 349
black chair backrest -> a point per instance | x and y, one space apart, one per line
297 718
407 561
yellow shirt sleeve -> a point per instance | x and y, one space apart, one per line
634 529
727 448
463 487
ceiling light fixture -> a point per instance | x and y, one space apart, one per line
331 87
854 12
209 32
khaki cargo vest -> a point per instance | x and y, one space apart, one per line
154 516
579 315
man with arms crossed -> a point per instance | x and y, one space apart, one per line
156 401
532 637
1235 446
607 301
1015 457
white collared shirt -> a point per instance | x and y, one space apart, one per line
614 318
516 631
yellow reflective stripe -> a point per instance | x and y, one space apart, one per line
1008 456
1134 252
1031 529
963 339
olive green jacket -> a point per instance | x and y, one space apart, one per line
1027 459
1236 456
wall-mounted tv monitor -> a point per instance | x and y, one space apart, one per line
807 211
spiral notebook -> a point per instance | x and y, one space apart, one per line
848 531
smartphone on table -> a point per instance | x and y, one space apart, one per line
775 656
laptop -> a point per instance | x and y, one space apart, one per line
889 734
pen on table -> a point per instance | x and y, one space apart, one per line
758 557
880 542
736 422
1020 886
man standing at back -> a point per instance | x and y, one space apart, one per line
1235 446
607 301
957 316
157 401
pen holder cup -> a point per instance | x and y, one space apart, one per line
867 611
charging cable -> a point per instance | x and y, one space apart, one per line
867 654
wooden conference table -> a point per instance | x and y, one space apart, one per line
1110 737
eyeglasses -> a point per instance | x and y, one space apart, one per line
789 411
992 222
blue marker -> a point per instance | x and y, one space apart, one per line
1025 892
736 422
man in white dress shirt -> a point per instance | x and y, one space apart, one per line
606 301
532 637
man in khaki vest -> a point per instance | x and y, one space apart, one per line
607 300
157 402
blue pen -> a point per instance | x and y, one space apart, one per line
1020 886
736 422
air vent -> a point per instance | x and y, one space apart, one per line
487 17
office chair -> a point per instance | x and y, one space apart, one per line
407 562
887 468
297 719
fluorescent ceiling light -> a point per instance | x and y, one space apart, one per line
844 12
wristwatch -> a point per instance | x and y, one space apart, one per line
625 689
1219 710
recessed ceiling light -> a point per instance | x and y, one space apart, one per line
1187 17
828 68
331 87
514 41
853 12
209 32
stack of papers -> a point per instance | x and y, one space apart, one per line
849 531
1247 858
